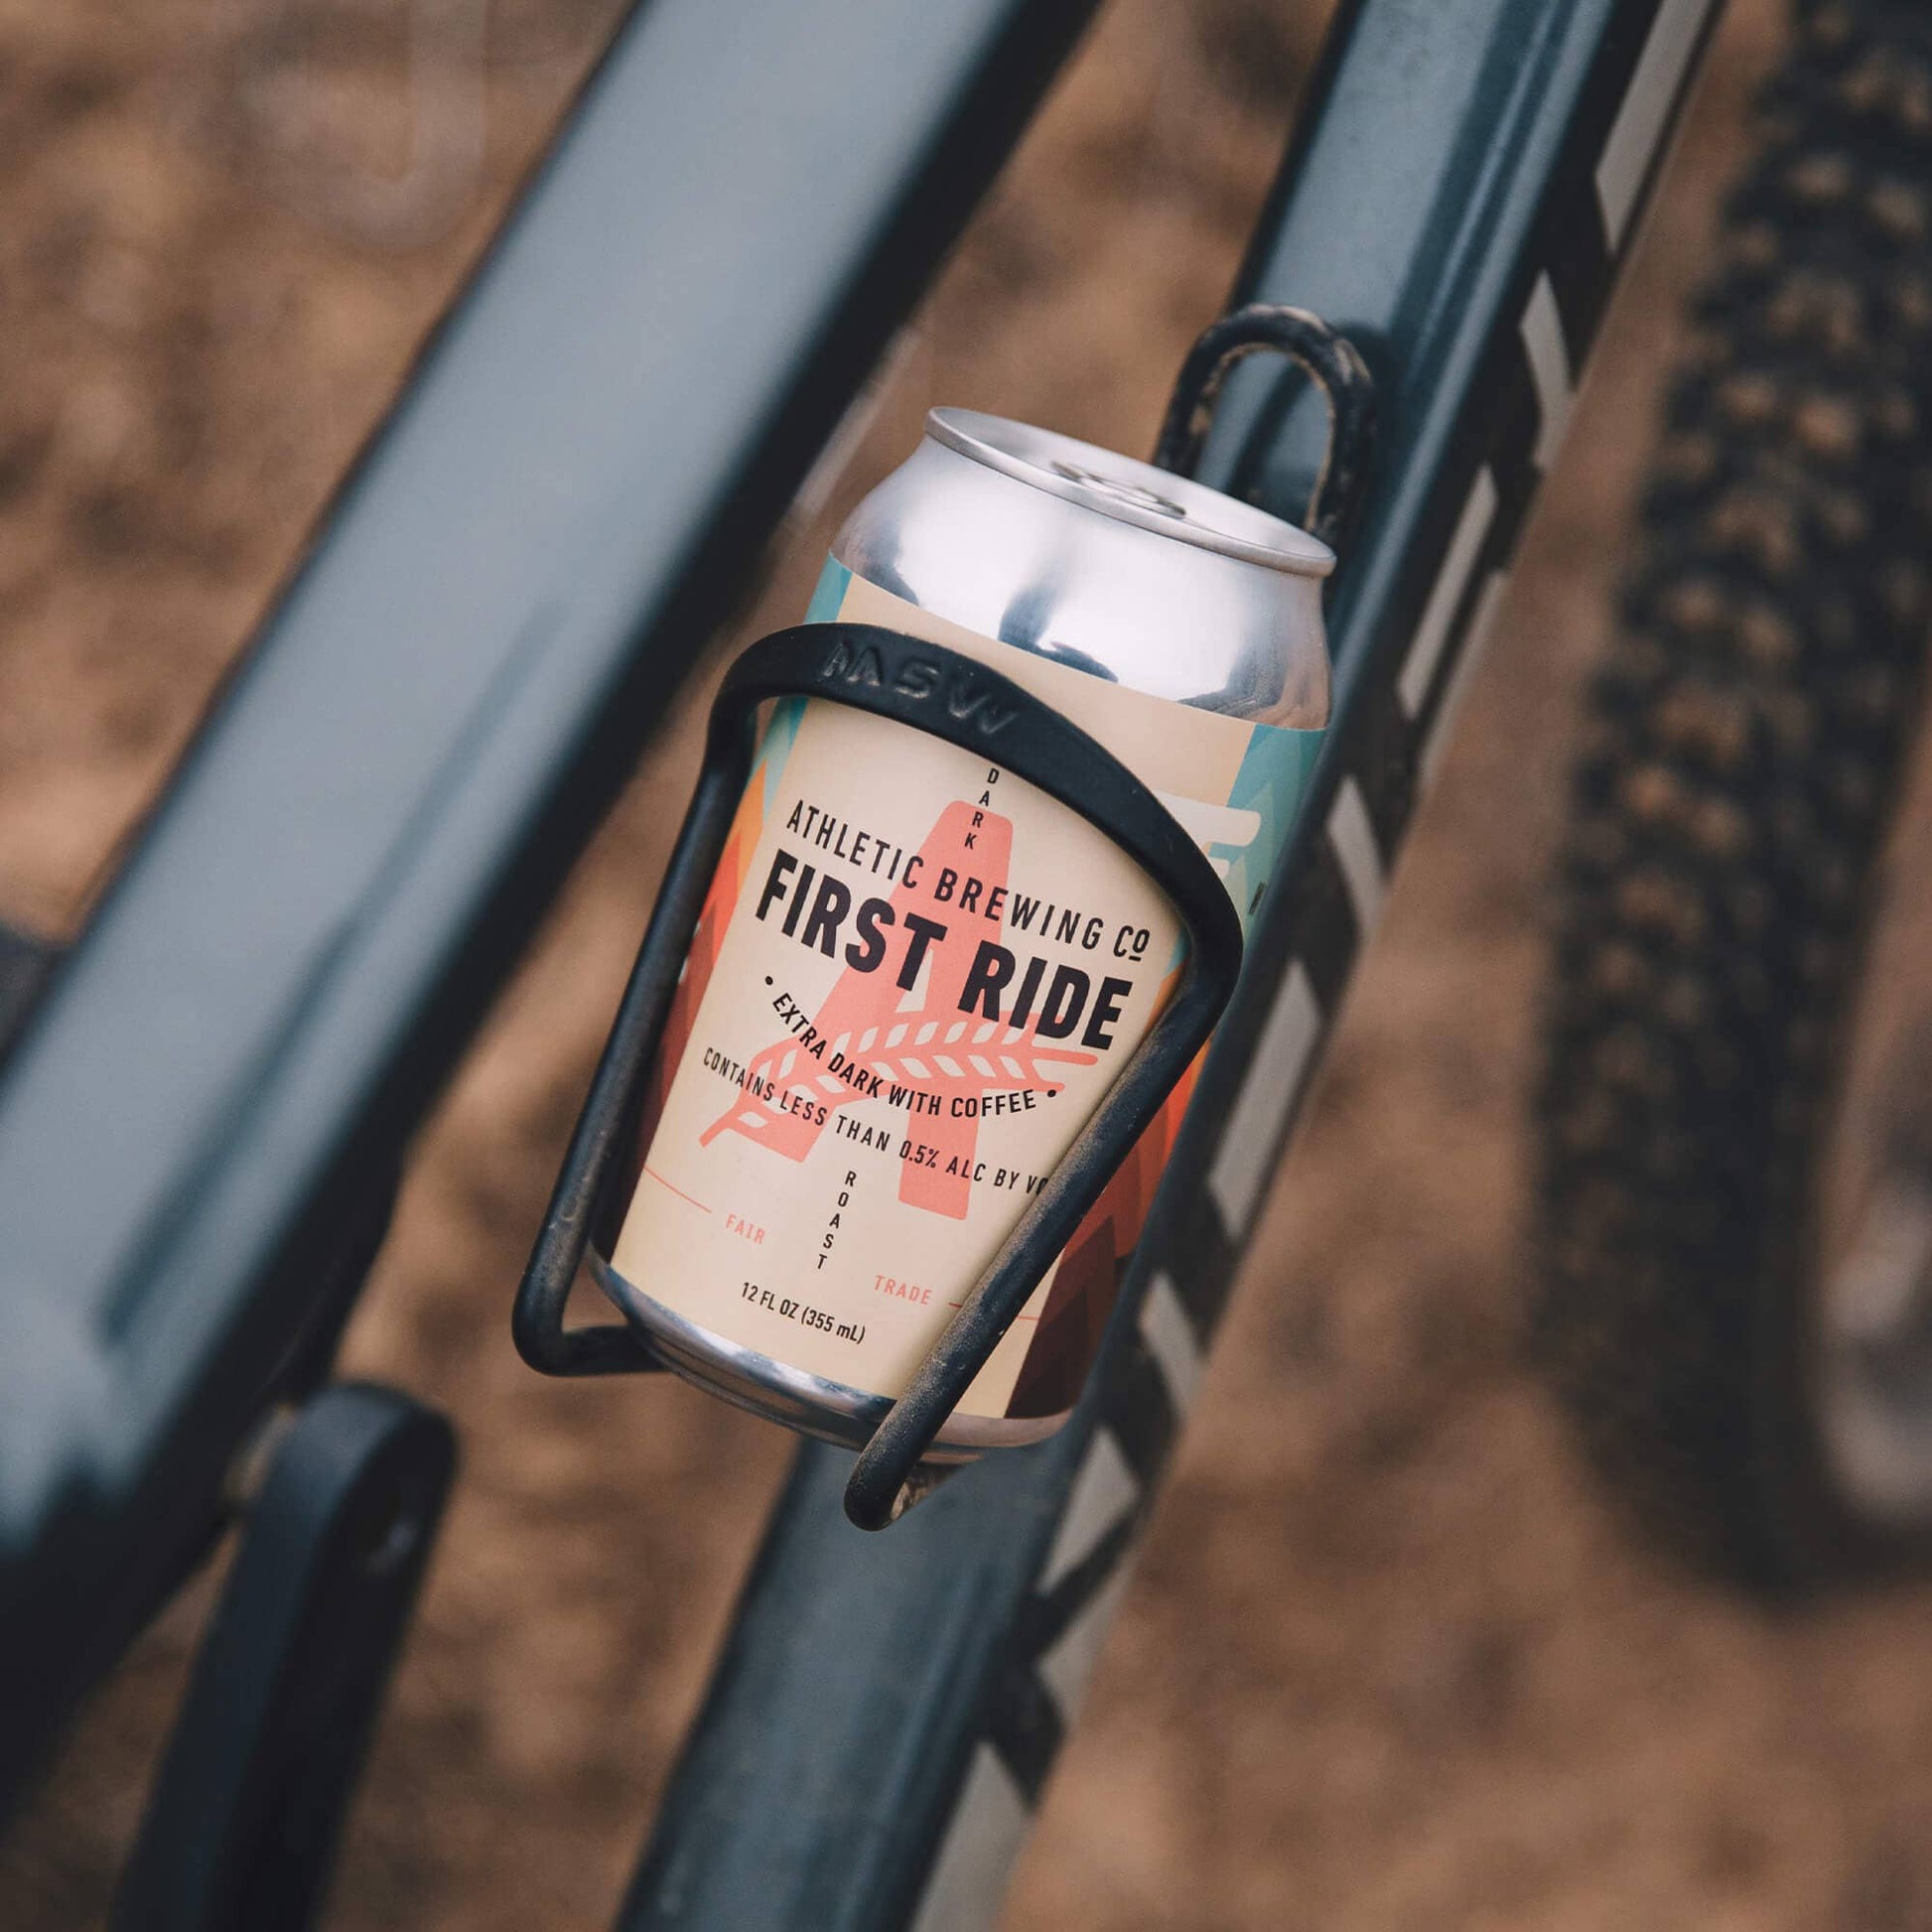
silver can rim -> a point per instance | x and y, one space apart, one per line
1130 492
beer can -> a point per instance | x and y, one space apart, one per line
915 975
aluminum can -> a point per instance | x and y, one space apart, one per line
916 976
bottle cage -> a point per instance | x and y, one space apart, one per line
1328 359
918 684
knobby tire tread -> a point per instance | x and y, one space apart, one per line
1743 752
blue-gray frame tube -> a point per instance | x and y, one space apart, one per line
567 498
1464 183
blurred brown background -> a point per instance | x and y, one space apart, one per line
1385 1662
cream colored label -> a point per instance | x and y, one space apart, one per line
920 976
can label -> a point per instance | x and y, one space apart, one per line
914 978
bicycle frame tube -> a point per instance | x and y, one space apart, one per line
886 1709
503 596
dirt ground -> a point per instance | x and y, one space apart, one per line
1385 1661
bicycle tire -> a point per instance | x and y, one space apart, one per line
1742 765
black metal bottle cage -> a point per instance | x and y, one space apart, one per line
1327 359
914 683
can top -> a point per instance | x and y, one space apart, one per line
1133 492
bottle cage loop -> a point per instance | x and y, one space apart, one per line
1327 359
954 698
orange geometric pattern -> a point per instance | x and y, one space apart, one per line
936 1052
1093 1266
721 902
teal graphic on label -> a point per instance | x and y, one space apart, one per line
1271 782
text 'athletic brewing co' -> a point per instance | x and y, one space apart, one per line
916 975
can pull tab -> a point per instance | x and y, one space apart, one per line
1327 359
